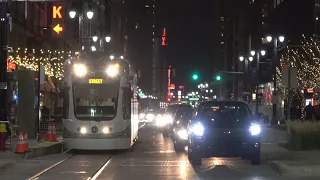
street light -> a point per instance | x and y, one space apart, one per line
112 57
281 38
252 53
269 38
263 52
93 48
241 58
250 58
72 14
95 38
89 14
121 57
108 39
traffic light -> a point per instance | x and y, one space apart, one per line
195 77
218 78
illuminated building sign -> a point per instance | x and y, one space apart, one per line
164 37
11 66
57 19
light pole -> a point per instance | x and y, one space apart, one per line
274 68
73 14
246 69
262 53
95 38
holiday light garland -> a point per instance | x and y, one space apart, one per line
51 60
306 58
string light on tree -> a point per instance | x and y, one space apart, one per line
306 59
51 60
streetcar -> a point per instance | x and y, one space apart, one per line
100 107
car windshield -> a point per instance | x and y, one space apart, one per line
225 115
182 111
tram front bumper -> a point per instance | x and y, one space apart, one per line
97 144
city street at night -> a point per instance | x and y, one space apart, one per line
153 157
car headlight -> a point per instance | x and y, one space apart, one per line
83 130
255 129
168 119
150 116
183 134
113 70
105 130
80 70
198 129
142 115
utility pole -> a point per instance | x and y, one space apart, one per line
4 26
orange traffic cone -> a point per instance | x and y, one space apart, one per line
54 134
26 146
49 133
20 146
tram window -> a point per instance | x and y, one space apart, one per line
126 103
98 101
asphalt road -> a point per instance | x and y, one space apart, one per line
152 158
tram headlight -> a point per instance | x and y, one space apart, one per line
113 70
80 70
83 130
105 130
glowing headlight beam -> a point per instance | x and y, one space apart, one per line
80 70
255 129
112 71
198 129
183 134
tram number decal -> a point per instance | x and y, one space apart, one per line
95 81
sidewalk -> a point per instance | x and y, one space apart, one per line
36 149
289 163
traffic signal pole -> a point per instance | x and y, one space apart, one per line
4 22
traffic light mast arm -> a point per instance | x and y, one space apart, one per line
231 72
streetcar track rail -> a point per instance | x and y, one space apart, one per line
92 177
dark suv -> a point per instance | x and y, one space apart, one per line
224 129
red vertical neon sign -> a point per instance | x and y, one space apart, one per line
164 37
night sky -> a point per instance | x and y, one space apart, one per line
192 36
191 39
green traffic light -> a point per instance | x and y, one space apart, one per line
195 77
218 78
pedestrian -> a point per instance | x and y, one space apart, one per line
317 112
309 111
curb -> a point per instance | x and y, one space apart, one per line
278 167
310 171
43 151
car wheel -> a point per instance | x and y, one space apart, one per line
255 158
194 158
178 147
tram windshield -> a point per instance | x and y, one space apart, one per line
96 101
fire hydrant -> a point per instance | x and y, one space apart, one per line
3 136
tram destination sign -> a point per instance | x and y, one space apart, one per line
95 81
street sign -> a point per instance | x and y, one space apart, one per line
289 77
58 28
57 20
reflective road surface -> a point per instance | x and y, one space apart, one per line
152 158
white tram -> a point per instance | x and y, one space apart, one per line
100 104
